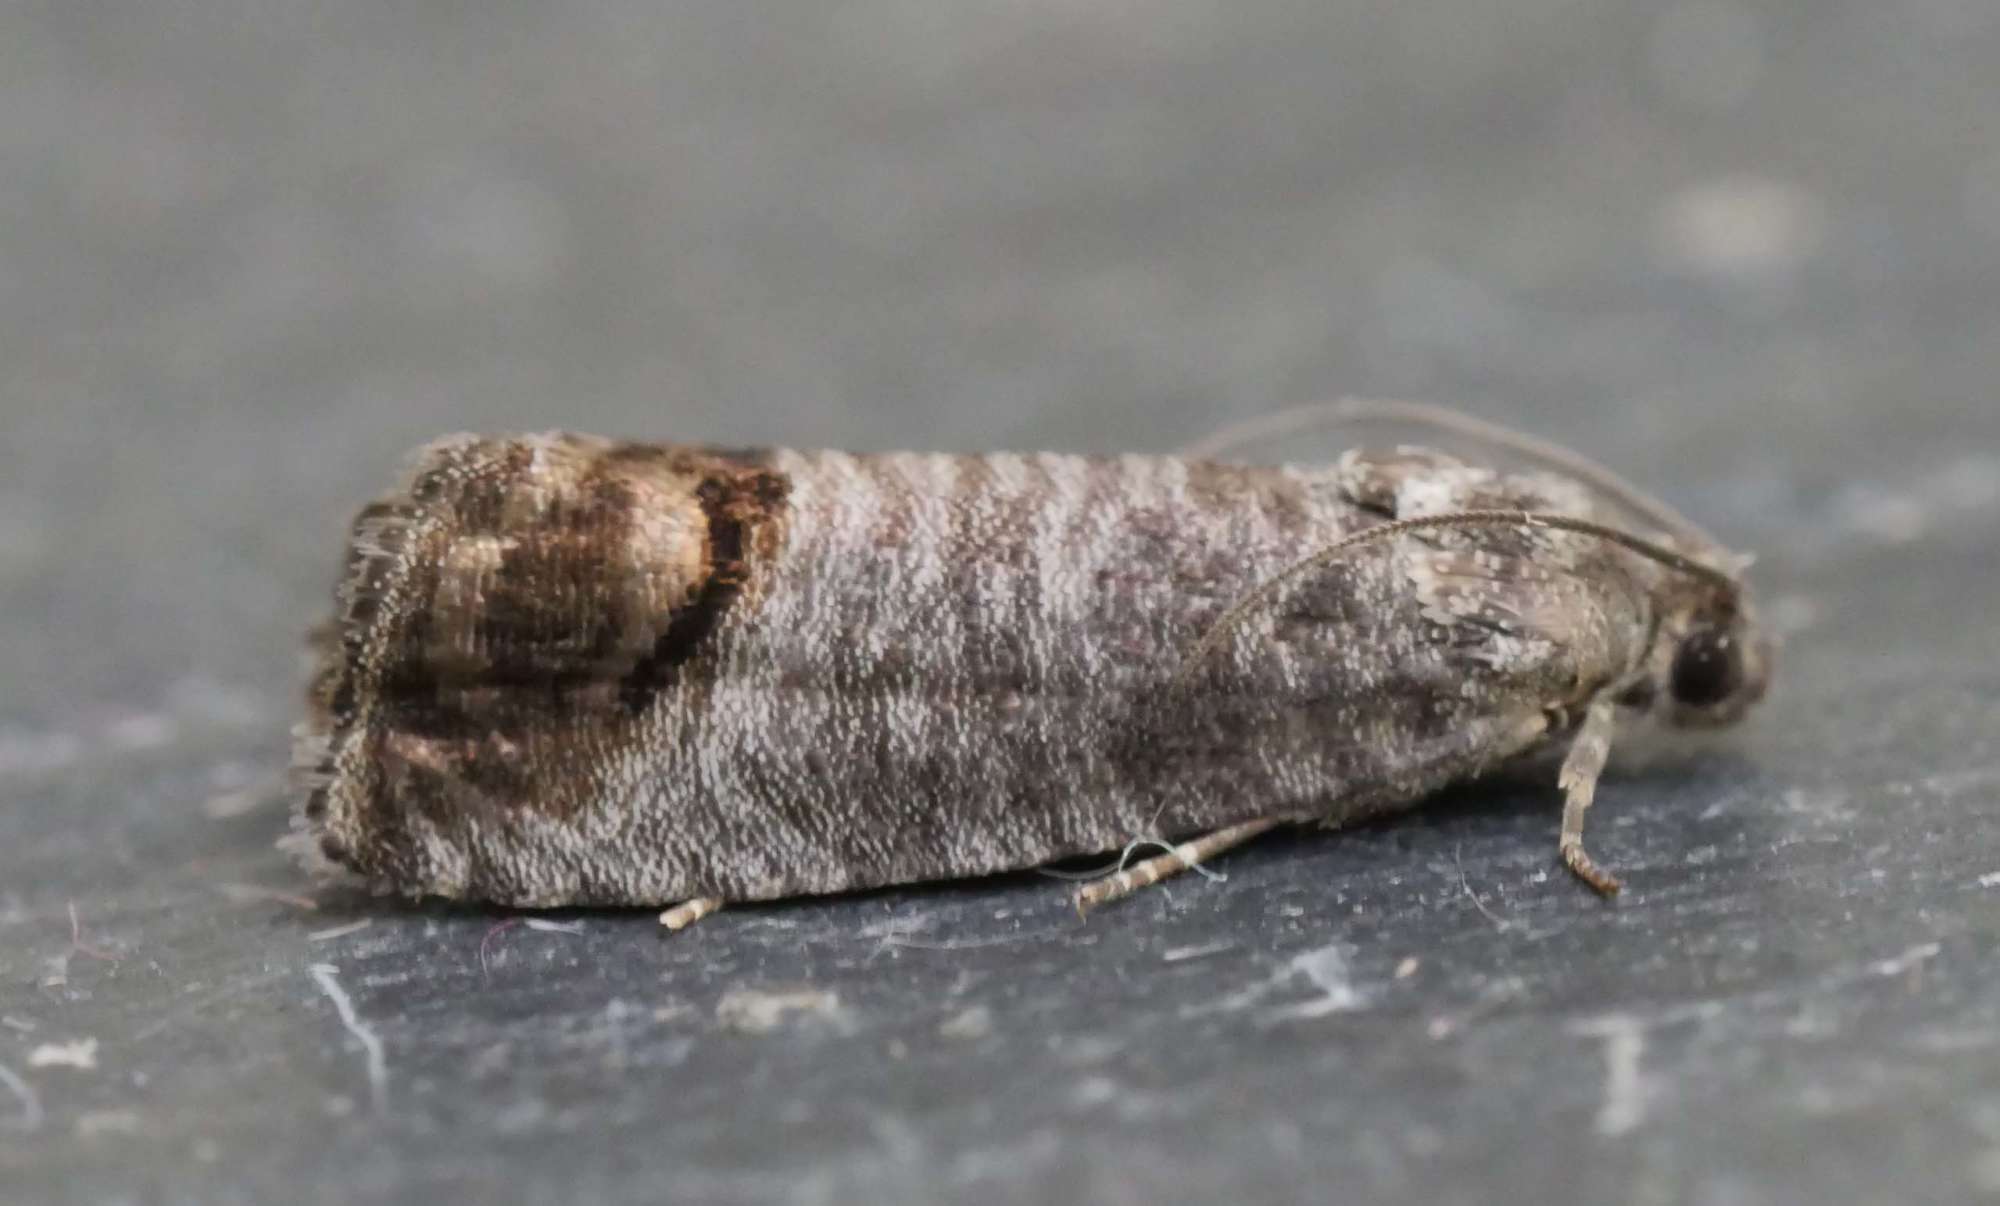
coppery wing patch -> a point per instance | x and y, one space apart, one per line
504 615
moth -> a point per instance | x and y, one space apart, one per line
564 670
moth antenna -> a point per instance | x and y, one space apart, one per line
1546 453
1679 562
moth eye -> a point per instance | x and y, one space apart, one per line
1708 667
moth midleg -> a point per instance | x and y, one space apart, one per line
1173 862
1578 780
687 912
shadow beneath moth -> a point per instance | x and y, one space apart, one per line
571 671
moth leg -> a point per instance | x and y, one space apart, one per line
1176 860
1578 780
687 912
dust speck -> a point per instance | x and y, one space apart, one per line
973 1023
93 1123
1909 960
754 1011
1094 1091
1739 228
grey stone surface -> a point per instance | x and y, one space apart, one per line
1749 252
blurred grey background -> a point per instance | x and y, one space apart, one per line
1747 251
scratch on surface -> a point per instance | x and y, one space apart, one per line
254 893
326 976
498 928
340 931
1908 960
78 946
895 935
1242 998
1325 968
488 960
1624 1104
30 1119
1458 859
1177 954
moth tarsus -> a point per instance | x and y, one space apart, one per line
687 912
1589 749
1182 857
570 671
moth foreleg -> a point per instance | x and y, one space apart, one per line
1578 780
687 912
1176 860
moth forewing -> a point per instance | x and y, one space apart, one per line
569 671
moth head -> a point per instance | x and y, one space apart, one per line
1715 664
1709 661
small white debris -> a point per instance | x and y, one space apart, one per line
228 805
554 927
1177 954
80 1054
